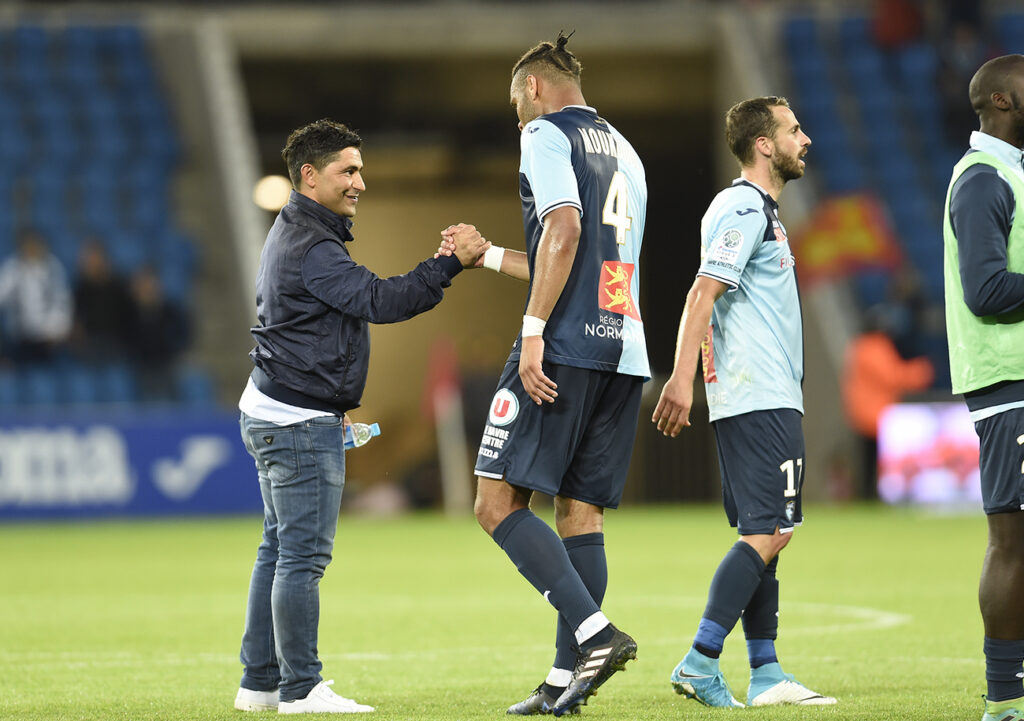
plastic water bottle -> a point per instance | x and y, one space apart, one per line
359 434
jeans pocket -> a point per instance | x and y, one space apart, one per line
276 450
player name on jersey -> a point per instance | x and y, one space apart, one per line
599 141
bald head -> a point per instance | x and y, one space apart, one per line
999 75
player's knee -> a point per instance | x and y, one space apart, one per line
575 518
1006 534
490 511
485 515
770 546
1010 545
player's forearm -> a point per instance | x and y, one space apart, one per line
693 327
553 262
514 263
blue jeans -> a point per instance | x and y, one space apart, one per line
302 473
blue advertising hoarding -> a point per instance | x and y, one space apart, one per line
139 463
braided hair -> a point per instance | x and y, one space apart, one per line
551 60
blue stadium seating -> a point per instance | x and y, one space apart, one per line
196 388
1011 32
8 388
86 99
116 383
889 138
38 387
883 87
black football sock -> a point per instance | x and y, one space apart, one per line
538 553
732 587
586 552
552 691
761 618
1003 668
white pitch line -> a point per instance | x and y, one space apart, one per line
864 618
861 618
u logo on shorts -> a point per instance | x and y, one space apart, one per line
504 408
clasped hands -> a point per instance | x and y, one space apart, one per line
465 243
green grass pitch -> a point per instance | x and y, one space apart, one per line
425 618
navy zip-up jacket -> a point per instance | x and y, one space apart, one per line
313 304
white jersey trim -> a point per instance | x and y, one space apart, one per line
485 474
983 413
728 281
560 203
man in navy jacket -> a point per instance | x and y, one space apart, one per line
312 352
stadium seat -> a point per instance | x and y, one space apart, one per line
872 286
116 384
79 386
196 388
799 31
1011 32
39 387
8 388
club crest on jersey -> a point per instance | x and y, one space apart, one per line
790 510
614 292
504 408
780 234
732 238
725 249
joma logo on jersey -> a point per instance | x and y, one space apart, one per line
504 408
614 291
599 141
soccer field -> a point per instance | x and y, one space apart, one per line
425 618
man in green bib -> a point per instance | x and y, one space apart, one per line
984 265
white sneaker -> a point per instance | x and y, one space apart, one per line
790 692
249 700
321 699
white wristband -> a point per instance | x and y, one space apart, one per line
493 257
533 326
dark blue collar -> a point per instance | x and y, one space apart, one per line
768 199
339 223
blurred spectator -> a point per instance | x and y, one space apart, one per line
906 311
102 306
897 23
875 376
158 333
36 301
965 48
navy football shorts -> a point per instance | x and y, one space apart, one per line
761 455
577 447
1002 461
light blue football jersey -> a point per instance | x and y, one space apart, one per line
575 157
753 356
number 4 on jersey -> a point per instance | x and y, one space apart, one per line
616 207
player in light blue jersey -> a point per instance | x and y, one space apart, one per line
564 417
742 318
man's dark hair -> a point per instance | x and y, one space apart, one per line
749 120
551 60
316 144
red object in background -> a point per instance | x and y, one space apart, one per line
896 23
442 379
844 235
